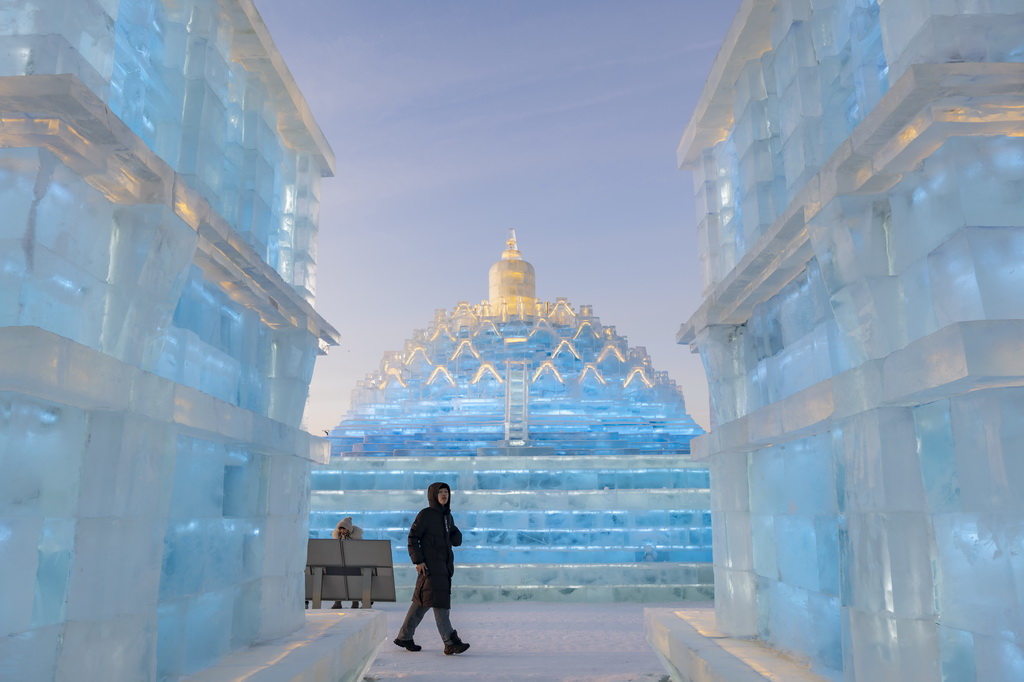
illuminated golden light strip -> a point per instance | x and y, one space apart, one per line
440 371
393 372
488 324
442 328
486 368
547 366
591 369
464 344
582 327
613 350
566 344
637 371
419 350
562 306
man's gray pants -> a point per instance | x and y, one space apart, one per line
415 615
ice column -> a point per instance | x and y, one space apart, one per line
159 178
858 168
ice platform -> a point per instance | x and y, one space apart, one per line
693 650
333 646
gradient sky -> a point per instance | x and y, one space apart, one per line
453 121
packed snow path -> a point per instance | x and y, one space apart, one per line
526 642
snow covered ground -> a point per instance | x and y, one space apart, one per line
526 642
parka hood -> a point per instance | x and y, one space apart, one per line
355 532
432 496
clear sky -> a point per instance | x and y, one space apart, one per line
453 121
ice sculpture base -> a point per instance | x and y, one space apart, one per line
691 648
339 647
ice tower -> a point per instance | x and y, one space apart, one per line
859 170
159 178
568 453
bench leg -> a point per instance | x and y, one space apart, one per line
318 585
367 577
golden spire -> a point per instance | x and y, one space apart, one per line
512 248
512 281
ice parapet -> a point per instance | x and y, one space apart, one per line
858 215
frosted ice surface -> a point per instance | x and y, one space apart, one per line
796 551
208 628
925 257
45 484
19 538
84 655
97 593
54 553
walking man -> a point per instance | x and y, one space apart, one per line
431 538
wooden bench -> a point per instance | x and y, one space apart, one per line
357 570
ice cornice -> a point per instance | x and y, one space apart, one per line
254 49
748 38
60 114
929 104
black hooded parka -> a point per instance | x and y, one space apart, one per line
431 538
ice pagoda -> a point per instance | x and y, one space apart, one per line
567 451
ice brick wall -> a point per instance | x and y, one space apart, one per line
858 169
157 334
544 527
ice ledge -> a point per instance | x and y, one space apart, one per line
332 647
957 359
929 104
59 113
254 49
41 364
748 38
691 648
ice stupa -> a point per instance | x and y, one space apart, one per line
567 450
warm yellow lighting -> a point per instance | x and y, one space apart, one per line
442 329
567 345
547 368
464 346
591 370
512 282
393 373
488 325
610 350
587 327
440 373
418 351
485 369
560 310
638 372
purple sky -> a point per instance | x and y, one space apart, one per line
454 121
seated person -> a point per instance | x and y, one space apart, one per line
345 530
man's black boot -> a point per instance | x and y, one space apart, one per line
456 646
408 644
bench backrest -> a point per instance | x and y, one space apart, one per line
349 569
350 553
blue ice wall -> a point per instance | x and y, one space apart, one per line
159 180
858 169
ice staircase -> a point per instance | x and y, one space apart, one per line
610 527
